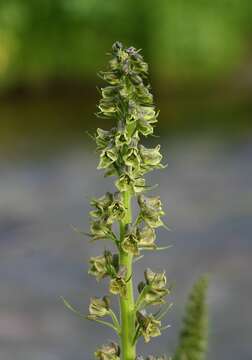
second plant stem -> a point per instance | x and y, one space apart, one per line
127 305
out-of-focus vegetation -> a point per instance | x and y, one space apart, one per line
199 53
44 39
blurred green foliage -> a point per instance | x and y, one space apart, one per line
41 39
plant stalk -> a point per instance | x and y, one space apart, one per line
127 305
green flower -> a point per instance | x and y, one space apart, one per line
155 290
118 283
108 208
130 244
107 158
148 325
98 267
156 280
132 157
121 138
101 205
108 352
146 238
104 265
100 230
103 138
129 183
151 210
116 211
98 307
150 157
144 127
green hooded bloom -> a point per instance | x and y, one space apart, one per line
109 208
98 267
101 205
99 307
149 326
132 157
104 265
155 291
108 352
130 244
146 237
151 210
116 211
107 157
100 230
151 158
129 183
118 283
121 137
104 138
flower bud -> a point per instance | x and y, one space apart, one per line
108 352
99 307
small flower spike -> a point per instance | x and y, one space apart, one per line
126 99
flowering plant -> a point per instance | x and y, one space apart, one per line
127 99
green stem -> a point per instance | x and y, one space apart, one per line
127 306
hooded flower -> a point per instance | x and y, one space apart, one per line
146 237
150 158
98 267
104 265
130 243
107 157
101 205
98 307
118 283
132 158
104 138
149 326
127 182
108 352
100 230
116 211
151 210
154 289
108 209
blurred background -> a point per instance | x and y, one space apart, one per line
200 58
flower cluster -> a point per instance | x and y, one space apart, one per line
128 99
